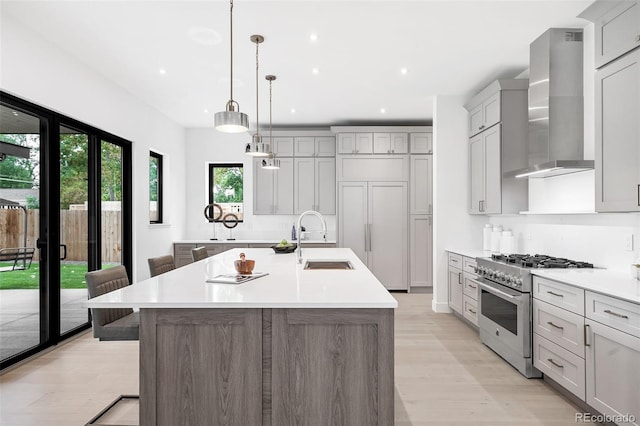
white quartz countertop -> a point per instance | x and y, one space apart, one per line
288 285
204 241
612 283
471 252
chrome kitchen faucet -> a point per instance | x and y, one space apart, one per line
299 229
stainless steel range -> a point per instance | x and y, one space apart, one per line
504 304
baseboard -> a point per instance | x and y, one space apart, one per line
420 289
440 307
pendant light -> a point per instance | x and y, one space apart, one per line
257 148
231 120
270 163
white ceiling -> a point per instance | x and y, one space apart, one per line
448 48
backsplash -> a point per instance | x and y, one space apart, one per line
597 238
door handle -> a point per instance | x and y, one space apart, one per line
64 251
479 205
42 244
559 327
615 314
586 335
366 237
638 188
459 277
370 236
555 363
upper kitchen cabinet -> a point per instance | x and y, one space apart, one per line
421 143
273 189
617 28
420 185
498 148
355 143
390 143
485 114
282 146
318 146
314 185
617 105
617 144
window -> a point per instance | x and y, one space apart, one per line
226 190
155 187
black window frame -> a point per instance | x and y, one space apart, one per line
160 201
212 166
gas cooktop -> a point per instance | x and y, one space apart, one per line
539 261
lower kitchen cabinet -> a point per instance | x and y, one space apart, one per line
421 252
182 253
613 371
455 282
373 220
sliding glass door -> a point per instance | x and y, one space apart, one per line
65 202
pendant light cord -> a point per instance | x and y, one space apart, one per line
257 116
270 123
231 50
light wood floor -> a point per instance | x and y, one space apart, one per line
443 376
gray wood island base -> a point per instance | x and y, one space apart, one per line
275 367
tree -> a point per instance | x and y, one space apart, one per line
227 184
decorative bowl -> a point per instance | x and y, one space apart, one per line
289 248
244 266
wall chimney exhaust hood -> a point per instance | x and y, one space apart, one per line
556 136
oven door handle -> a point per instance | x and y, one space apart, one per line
497 292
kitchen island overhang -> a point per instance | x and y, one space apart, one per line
297 346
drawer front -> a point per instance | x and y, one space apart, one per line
616 313
470 287
559 294
469 265
455 260
470 309
563 366
561 327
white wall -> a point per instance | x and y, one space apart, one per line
206 145
453 227
36 70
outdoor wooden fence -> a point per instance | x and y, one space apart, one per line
73 232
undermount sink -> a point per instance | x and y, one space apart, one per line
328 264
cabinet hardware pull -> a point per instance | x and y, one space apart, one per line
615 314
555 294
479 205
481 127
431 207
472 311
370 237
459 277
586 335
555 363
556 326
472 286
454 260
638 188
366 237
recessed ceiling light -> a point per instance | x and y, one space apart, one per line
206 111
293 110
315 71
313 37
382 110
162 71
404 71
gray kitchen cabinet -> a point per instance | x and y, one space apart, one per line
355 143
421 252
314 146
282 146
485 171
390 143
455 282
273 189
315 185
421 185
617 146
484 115
498 145
613 375
182 253
617 28
373 220
421 143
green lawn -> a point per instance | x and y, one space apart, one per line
72 276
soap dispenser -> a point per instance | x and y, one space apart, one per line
293 233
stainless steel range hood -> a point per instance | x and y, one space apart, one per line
556 136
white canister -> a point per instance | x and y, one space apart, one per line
486 237
506 242
496 233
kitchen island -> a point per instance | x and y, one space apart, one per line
295 347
